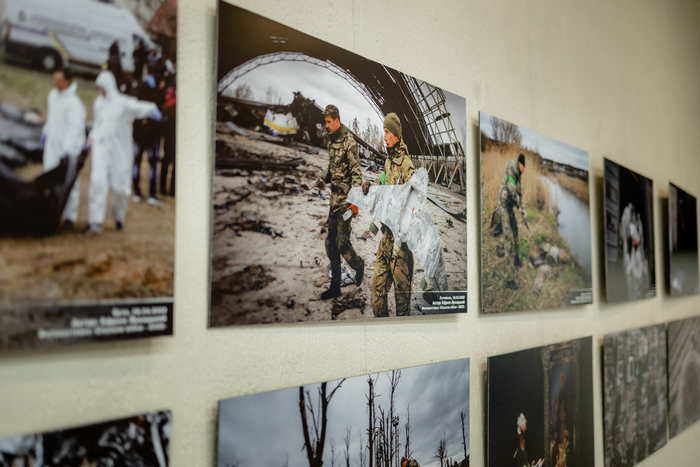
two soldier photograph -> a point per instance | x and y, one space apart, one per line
299 125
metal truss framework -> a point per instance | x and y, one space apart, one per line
427 103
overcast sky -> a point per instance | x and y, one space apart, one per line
325 87
265 429
547 147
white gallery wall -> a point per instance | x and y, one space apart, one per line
617 78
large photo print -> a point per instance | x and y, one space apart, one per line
540 406
87 174
339 183
535 220
683 374
411 417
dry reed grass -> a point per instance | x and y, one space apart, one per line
575 185
493 163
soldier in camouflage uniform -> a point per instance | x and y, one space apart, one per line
343 173
509 197
394 264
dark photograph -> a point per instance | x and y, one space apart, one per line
683 374
536 221
683 242
634 394
540 406
412 417
339 187
87 170
629 234
138 441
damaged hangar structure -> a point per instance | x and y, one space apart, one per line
427 127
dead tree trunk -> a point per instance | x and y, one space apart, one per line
441 451
347 448
371 423
464 437
407 448
314 442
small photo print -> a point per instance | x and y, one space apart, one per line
683 242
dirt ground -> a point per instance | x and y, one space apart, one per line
71 266
269 260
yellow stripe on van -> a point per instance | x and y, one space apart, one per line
62 50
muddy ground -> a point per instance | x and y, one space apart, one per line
70 266
269 260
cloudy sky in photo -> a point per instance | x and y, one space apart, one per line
265 429
326 87
547 147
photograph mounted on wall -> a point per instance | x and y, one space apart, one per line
413 417
629 234
682 242
339 188
536 222
87 121
141 440
634 394
540 406
683 374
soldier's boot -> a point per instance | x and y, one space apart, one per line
516 261
332 292
360 273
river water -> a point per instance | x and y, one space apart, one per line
574 222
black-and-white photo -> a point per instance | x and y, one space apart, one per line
629 234
683 242
138 441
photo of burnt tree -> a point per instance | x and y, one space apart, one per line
629 234
634 388
138 441
683 374
540 406
683 242
412 417
302 126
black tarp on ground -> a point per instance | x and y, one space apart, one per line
35 207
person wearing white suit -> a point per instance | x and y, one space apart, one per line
64 132
111 140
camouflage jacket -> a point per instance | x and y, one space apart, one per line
511 189
343 167
398 167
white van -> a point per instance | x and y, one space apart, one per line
73 33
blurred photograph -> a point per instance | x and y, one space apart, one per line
87 170
683 374
683 242
413 417
634 394
339 188
141 440
629 234
540 406
536 222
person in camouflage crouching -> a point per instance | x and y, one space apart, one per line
509 197
343 173
394 264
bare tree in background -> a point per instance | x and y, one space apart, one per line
441 451
363 453
505 133
332 452
314 441
464 436
243 91
347 448
371 430
407 427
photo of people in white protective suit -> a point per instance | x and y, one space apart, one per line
111 141
87 87
629 221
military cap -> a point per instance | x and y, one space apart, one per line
332 111
393 124
521 159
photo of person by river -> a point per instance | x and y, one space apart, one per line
629 234
536 222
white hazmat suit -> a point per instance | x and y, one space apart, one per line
64 135
113 148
